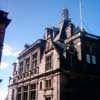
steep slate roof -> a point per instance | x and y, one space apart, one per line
39 41
59 37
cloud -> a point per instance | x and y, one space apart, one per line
3 94
9 51
3 65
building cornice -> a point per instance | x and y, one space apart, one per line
37 76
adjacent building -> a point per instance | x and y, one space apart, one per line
64 65
4 21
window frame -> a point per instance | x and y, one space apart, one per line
48 84
34 60
27 63
91 53
48 62
41 85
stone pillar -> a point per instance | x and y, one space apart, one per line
15 98
24 66
37 90
28 97
22 92
30 61
30 68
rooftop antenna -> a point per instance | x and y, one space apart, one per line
81 23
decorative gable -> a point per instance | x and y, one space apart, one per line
68 31
48 33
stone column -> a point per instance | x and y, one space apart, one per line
37 90
22 92
24 66
30 61
30 65
28 97
15 98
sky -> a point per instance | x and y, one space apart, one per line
28 21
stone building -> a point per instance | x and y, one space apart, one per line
4 21
64 65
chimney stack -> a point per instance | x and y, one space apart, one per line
65 14
14 66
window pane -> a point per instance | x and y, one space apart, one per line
25 95
27 64
21 67
48 62
88 58
93 59
48 84
34 60
19 96
32 95
48 98
40 85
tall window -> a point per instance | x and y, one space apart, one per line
48 64
41 85
13 94
34 63
27 64
19 93
32 92
90 56
93 59
48 84
34 60
93 56
21 67
25 92
20 70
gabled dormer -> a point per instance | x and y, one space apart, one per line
69 31
48 39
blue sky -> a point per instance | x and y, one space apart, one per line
30 17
